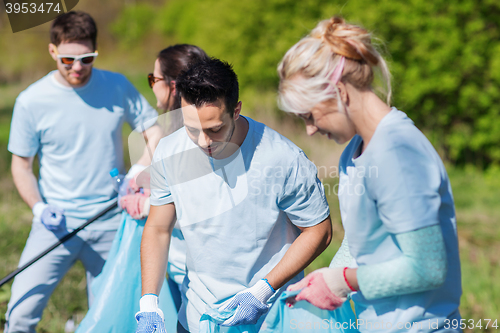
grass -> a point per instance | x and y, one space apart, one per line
476 195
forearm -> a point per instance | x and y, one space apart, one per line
342 259
422 267
154 256
154 249
24 179
310 243
152 136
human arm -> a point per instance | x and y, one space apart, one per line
154 247
154 255
311 242
25 180
421 267
132 199
143 119
51 216
251 302
304 202
152 136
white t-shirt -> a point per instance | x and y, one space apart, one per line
77 135
238 215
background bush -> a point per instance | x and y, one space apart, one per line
443 56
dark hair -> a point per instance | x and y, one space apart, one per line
177 58
73 26
207 81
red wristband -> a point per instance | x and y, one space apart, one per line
348 284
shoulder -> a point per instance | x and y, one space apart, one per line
276 146
109 76
397 134
402 154
397 129
172 144
115 85
37 89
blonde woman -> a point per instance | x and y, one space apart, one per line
395 197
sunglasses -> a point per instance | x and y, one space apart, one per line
68 60
153 79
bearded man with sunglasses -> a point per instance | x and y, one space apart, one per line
72 119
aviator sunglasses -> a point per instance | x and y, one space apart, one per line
85 59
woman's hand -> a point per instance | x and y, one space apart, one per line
325 288
136 203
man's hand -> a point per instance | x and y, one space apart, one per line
51 216
250 304
325 288
150 317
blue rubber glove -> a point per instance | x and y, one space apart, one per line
250 304
150 317
52 217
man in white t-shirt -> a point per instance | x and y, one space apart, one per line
248 202
72 120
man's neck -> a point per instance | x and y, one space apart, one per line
240 132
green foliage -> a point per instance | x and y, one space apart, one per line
134 23
252 35
479 273
443 55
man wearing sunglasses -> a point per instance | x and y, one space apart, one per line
72 120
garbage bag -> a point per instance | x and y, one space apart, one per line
305 317
117 290
210 323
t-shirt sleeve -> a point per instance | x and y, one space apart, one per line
405 187
139 114
23 138
303 197
160 191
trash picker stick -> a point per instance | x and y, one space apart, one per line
62 240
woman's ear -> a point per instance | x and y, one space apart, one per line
343 92
172 87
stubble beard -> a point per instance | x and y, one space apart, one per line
83 79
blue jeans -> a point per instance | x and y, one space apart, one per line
32 288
